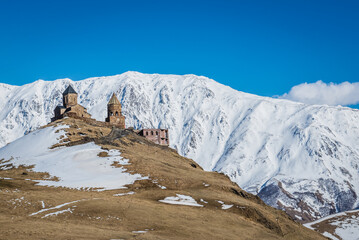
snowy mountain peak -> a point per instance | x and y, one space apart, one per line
301 158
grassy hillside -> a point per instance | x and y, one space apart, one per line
29 211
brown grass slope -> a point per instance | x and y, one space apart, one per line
101 215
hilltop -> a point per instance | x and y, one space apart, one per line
75 180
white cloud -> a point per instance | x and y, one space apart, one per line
345 93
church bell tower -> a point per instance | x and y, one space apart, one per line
114 115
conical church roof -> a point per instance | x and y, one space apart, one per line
114 100
68 90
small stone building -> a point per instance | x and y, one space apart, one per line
114 115
158 136
70 106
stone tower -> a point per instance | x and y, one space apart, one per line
114 115
69 97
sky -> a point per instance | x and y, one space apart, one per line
301 50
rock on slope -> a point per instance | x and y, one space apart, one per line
300 158
93 170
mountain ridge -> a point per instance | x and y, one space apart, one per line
304 155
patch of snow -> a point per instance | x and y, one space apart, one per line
76 166
181 200
6 178
42 204
120 161
143 231
123 194
162 187
328 235
19 201
155 181
225 206
57 213
203 201
56 207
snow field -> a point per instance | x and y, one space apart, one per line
347 229
77 166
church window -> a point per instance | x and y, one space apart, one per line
146 133
111 113
116 113
151 132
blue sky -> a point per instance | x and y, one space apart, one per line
260 47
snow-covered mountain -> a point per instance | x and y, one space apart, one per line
301 158
339 226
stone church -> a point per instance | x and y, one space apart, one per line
70 106
114 118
